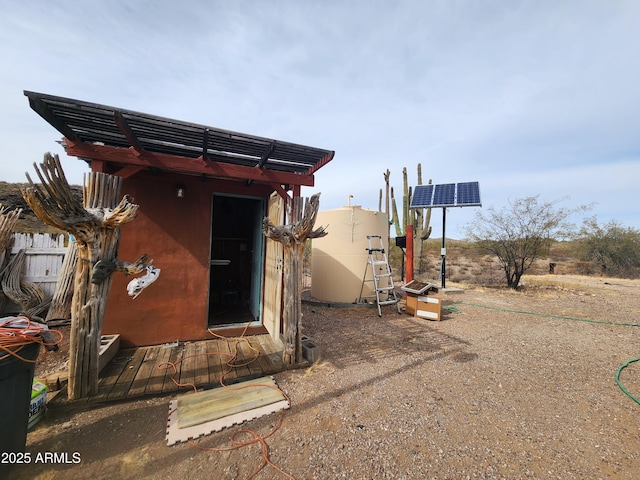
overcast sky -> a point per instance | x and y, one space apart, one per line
526 97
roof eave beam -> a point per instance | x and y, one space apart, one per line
268 153
129 171
185 165
326 159
45 112
131 137
205 144
282 192
265 158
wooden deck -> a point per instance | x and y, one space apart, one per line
164 369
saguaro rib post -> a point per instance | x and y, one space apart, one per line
63 296
293 238
8 220
95 226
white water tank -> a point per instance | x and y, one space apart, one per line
339 259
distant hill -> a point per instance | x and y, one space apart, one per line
11 198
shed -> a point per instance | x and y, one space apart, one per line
203 193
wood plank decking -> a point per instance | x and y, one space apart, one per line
162 369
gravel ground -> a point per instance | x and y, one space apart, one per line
492 391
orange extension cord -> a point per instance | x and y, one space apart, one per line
255 437
14 335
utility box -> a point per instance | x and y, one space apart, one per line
310 350
419 303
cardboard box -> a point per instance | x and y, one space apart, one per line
38 404
423 306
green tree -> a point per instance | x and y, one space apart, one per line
519 233
610 249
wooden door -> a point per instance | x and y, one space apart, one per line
273 272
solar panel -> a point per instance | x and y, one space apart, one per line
422 196
465 194
444 195
468 194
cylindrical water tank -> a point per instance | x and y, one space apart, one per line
339 259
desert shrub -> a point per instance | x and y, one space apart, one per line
519 234
610 249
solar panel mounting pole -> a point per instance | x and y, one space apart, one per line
465 194
443 252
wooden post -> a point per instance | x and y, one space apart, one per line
95 225
293 238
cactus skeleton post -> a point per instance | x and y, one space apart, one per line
95 224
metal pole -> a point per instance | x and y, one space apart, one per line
443 252
409 274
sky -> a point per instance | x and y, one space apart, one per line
534 97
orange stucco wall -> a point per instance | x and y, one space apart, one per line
175 232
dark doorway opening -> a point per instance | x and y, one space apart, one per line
236 260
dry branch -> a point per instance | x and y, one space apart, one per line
26 294
8 220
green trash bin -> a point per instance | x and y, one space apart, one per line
16 380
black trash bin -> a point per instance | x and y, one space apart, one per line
16 380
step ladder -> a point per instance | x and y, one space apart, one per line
385 293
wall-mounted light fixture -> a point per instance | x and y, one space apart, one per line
181 191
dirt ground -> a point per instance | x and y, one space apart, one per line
507 385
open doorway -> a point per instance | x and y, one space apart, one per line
236 260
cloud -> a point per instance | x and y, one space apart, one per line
525 97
